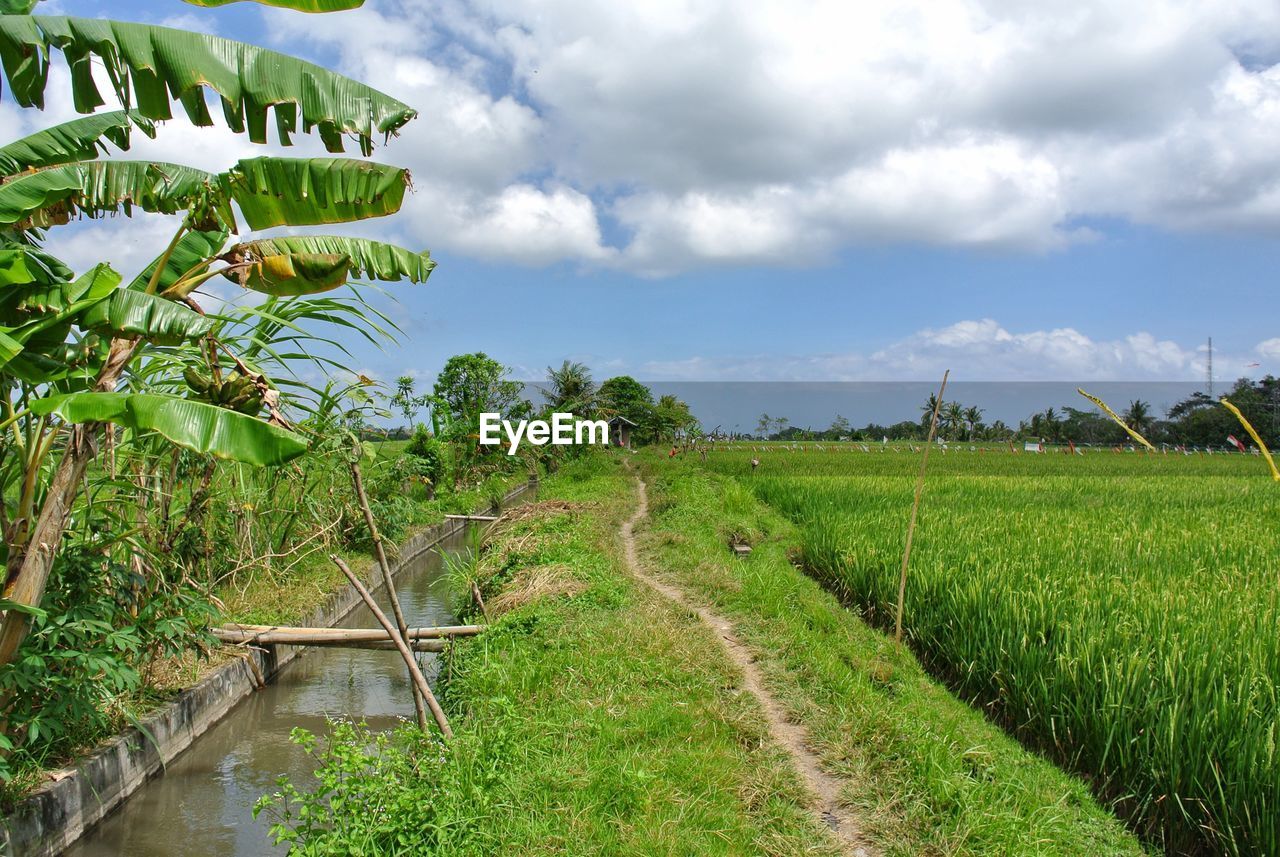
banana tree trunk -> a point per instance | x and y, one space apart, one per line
28 586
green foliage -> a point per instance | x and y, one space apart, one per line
571 390
101 626
54 196
626 397
472 384
357 257
389 793
430 456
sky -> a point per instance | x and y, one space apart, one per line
818 191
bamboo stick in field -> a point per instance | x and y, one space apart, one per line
358 480
419 680
915 507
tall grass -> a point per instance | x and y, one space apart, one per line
1119 612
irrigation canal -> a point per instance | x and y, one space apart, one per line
202 804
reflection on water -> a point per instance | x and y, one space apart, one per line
203 803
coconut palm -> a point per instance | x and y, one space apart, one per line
952 420
1138 416
571 389
973 419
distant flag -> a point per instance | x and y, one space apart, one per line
1235 441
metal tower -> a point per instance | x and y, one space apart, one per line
1209 368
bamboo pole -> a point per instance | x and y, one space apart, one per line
479 599
281 634
358 480
915 508
384 645
419 680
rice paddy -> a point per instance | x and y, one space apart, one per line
1117 611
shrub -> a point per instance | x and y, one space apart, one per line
101 626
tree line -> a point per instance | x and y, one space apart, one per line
1198 420
472 384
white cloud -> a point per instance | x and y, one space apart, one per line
1269 349
981 350
670 135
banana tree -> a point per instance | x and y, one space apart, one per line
68 342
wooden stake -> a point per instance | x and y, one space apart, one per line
358 480
915 507
419 680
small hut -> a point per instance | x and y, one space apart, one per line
620 431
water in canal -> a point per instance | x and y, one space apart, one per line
202 804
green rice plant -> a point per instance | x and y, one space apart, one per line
1117 611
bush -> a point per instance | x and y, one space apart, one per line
102 625
391 793
429 455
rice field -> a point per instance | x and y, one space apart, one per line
1117 611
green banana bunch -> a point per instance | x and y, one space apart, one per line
236 392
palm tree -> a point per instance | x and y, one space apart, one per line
927 409
973 417
571 389
1138 417
953 416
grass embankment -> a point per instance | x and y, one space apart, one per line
596 717
284 592
928 774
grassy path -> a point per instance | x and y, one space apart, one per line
792 737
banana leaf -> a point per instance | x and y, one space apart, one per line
9 347
158 65
49 332
366 259
312 191
54 195
133 314
17 7
294 274
296 5
201 428
77 140
269 191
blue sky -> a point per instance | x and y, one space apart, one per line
718 191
